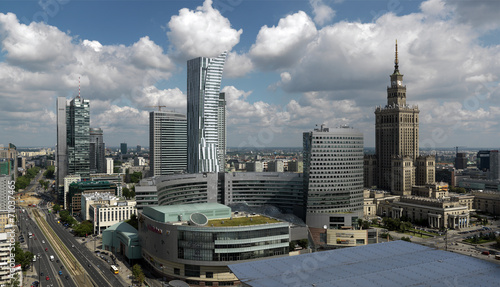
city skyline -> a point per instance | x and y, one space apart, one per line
331 66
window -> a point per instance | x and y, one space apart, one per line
177 271
192 270
210 275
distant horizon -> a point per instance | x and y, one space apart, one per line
271 147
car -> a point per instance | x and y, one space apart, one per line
485 252
43 241
46 249
90 265
67 277
60 272
57 261
47 278
73 245
41 273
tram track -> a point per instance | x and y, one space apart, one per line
73 267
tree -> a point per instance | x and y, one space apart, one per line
404 226
84 228
406 238
126 192
22 257
56 208
44 184
14 281
136 177
303 243
133 221
138 274
49 173
132 191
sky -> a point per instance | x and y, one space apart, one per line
291 65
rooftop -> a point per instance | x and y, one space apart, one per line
182 212
397 263
243 220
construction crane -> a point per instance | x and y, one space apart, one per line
158 106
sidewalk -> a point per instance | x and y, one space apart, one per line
30 276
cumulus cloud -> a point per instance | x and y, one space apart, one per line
41 62
237 65
172 99
201 33
282 46
481 15
322 12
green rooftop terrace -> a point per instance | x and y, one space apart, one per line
237 221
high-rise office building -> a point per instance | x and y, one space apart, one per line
482 158
204 76
62 145
8 161
97 151
488 161
123 148
221 129
394 165
109 165
6 182
78 137
138 149
333 177
461 160
167 143
73 140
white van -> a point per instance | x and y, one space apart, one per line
51 257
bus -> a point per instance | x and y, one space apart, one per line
114 269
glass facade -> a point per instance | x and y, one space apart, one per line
97 151
204 76
234 244
167 142
78 137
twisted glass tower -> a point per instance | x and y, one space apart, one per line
204 77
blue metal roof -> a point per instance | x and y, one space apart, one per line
397 263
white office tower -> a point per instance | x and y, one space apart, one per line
204 77
109 165
167 143
333 177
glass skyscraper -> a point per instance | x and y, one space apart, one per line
204 77
78 137
167 142
97 150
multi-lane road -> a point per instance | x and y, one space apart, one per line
96 270
48 271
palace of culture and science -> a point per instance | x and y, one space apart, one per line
396 165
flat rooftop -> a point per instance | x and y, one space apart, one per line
397 263
243 221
